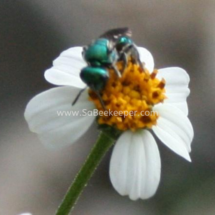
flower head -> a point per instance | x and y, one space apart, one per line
131 98
135 163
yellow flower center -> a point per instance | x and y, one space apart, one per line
129 100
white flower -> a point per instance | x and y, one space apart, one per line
135 163
25 214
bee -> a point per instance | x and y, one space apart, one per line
102 54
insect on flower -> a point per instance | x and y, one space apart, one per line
103 53
157 97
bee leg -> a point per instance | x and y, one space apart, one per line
101 101
78 96
125 52
99 97
131 50
125 61
135 55
117 72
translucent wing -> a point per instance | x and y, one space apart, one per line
114 34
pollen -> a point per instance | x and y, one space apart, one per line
129 100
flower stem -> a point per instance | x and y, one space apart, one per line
97 153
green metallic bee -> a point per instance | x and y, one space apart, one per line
102 54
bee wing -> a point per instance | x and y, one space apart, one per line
114 34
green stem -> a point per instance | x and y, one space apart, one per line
99 150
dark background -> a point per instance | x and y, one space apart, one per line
33 33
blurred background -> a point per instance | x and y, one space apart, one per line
33 33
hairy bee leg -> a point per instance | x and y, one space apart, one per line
125 52
112 48
131 50
136 56
117 72
99 96
77 97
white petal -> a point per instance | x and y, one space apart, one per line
25 214
147 58
135 165
177 90
49 114
174 129
66 68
